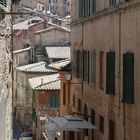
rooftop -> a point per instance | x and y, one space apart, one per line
60 52
24 25
59 64
35 67
48 82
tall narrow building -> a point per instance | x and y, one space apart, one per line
105 44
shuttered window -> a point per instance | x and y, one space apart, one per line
75 62
101 70
53 101
93 67
110 73
112 3
93 7
86 65
81 9
64 94
128 78
81 65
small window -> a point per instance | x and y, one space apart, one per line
111 130
79 105
110 73
73 100
93 67
53 101
93 122
101 68
64 94
101 124
112 3
93 7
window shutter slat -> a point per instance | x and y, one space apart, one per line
110 73
128 78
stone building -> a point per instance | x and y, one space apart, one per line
46 100
5 71
23 98
51 40
105 45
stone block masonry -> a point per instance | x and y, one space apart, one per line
6 76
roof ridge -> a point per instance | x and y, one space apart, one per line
47 83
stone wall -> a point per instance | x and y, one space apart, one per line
5 77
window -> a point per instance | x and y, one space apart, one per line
86 118
64 94
128 78
112 3
81 68
93 67
93 7
101 70
110 73
81 8
79 105
93 122
86 65
75 62
73 100
53 101
101 124
111 130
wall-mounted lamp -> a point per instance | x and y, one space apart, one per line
68 76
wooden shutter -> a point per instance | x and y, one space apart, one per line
128 78
93 67
93 10
75 62
85 64
80 8
110 73
81 65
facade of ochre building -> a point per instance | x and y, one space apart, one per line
105 53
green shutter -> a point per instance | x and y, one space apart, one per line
81 65
93 10
85 64
75 62
110 73
93 67
128 78
81 8
33 114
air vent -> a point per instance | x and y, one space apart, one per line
3 3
